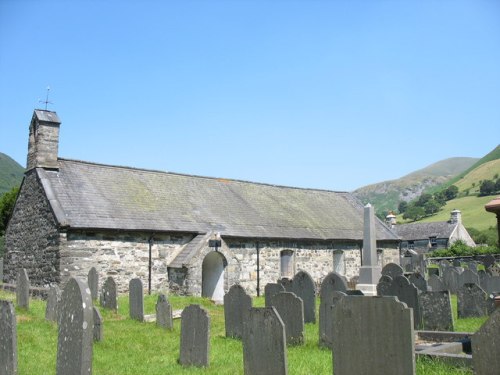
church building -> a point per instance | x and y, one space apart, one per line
186 234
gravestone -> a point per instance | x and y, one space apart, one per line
23 289
331 283
491 284
8 338
75 336
407 293
436 283
326 318
471 301
303 287
109 298
291 311
451 279
488 261
456 263
286 283
53 301
392 270
486 346
468 277
164 313
373 335
370 271
264 343
433 271
236 306
93 280
136 299
483 275
384 285
270 290
472 266
436 311
418 280
98 332
195 337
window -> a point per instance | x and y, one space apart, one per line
380 256
433 241
339 262
411 245
286 263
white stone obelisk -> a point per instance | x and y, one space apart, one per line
370 271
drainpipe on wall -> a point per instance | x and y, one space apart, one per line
151 242
258 268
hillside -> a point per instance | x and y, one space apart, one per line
386 195
11 173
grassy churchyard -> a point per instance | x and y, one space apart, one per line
132 347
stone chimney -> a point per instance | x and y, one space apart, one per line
456 217
44 140
390 219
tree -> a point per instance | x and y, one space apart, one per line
414 212
7 202
403 205
497 185
423 199
451 192
431 207
487 187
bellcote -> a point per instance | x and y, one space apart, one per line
43 143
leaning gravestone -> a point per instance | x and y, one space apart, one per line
392 270
270 290
264 343
93 280
291 311
53 301
136 299
75 337
488 261
471 301
407 293
164 313
108 294
236 306
303 287
195 337
486 346
98 332
23 289
418 280
436 311
373 335
436 283
8 338
326 318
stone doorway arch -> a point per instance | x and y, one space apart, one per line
213 275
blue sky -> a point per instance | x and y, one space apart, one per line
320 94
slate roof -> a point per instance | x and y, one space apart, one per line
88 195
422 231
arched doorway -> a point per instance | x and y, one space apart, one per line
212 276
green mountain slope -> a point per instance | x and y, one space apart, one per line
11 173
386 195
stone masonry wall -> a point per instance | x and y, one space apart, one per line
32 238
122 255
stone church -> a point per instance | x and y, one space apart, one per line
189 234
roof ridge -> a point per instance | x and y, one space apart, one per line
220 179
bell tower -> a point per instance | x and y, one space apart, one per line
43 143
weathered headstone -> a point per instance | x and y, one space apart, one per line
436 311
264 343
407 293
75 337
53 301
418 280
456 263
392 270
109 298
373 336
468 277
488 261
436 283
486 346
164 313
472 266
331 283
326 318
384 285
93 280
471 301
450 279
491 284
98 332
286 283
23 289
8 338
291 311
136 299
195 337
270 290
236 306
304 288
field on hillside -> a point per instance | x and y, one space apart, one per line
131 347
473 213
486 171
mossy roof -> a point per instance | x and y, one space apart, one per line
88 195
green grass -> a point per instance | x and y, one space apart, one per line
131 347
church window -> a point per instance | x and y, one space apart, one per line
339 262
286 263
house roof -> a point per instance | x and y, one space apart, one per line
88 195
422 231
